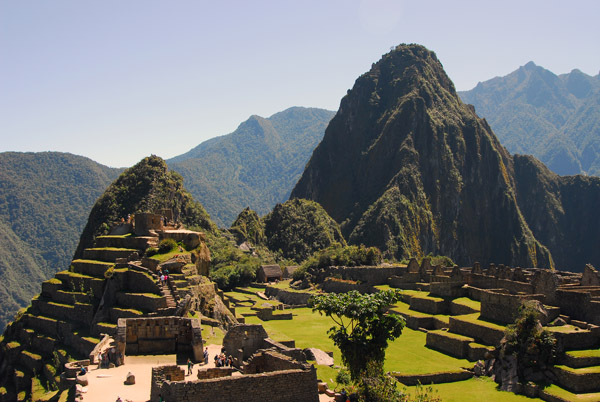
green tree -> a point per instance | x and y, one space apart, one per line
534 347
363 328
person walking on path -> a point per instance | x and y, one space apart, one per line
190 366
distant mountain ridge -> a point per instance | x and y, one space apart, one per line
257 165
406 166
555 118
45 198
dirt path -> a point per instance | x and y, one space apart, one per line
106 385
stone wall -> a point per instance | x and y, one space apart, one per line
141 301
189 238
146 222
111 255
288 297
334 285
215 372
161 335
488 335
266 314
241 341
364 274
265 361
502 307
448 343
140 282
435 378
280 386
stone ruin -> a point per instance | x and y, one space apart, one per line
160 335
569 303
271 370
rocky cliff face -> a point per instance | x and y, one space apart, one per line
561 211
406 166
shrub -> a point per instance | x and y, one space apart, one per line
230 276
166 245
338 255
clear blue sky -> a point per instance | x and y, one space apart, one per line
117 80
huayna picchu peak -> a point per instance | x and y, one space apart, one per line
406 166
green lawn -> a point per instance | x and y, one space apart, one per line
584 353
555 390
408 354
474 390
308 329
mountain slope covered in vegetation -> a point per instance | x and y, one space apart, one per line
554 118
45 198
256 166
406 166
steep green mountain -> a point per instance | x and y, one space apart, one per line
561 211
297 228
44 200
406 166
257 165
554 118
146 187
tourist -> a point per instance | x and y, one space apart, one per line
230 361
206 355
190 366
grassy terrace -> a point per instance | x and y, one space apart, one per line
583 370
108 264
584 353
404 308
167 256
557 391
565 329
465 301
474 390
112 249
285 285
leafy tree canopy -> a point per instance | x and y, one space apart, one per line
363 327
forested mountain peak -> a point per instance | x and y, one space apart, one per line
555 118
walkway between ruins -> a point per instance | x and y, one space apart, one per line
106 385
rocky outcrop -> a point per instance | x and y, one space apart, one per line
558 211
407 167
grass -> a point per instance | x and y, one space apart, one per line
308 329
474 318
557 391
112 249
39 393
212 335
579 371
402 307
96 261
327 374
474 390
565 329
584 353
465 301
408 354
167 256
285 285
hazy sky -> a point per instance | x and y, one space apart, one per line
117 80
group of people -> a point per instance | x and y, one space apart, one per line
164 276
223 361
111 355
